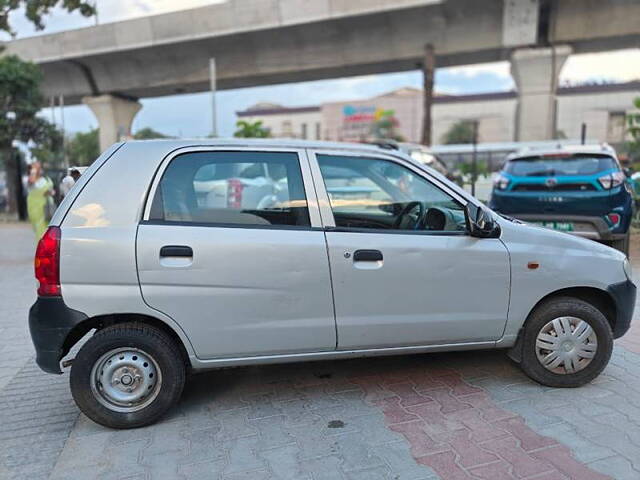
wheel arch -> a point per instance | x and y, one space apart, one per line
600 299
101 321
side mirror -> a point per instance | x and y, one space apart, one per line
628 171
480 223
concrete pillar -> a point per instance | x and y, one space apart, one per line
115 116
536 72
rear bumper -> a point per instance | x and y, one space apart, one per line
600 229
624 297
50 322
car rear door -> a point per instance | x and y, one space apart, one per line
239 278
398 285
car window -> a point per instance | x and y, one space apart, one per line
381 194
232 188
560 165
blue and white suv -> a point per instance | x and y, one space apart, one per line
576 189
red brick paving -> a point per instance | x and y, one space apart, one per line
458 431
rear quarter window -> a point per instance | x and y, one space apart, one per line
232 188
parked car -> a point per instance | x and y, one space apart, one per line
581 190
420 154
424 155
405 262
239 185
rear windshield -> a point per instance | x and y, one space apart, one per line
547 166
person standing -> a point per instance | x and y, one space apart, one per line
69 181
39 200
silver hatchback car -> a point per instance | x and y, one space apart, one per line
359 251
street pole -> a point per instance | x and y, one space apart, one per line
474 159
212 80
65 161
428 72
21 203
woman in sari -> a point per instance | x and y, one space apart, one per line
39 199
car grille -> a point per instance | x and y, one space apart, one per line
562 187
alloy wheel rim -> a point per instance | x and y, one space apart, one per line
126 379
566 345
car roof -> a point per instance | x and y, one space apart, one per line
172 144
599 149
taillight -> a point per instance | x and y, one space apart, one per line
612 180
500 182
47 263
234 193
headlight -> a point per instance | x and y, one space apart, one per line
628 270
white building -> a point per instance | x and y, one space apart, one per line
288 122
602 108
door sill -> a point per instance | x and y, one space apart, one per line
200 364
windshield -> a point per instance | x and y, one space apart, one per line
546 166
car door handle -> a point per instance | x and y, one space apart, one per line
367 256
176 251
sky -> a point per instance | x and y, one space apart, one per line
190 115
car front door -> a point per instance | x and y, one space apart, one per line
242 276
405 271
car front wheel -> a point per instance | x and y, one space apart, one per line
567 343
127 375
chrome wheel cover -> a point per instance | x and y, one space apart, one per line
126 379
566 345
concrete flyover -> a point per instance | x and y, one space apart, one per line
261 42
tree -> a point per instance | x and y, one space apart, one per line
481 170
633 124
460 132
148 133
83 148
255 129
385 126
20 101
35 10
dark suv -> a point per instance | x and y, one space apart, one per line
579 190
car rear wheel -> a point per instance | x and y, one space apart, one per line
567 343
127 375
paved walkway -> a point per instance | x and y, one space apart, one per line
469 415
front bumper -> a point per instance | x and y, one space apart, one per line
597 229
50 323
624 297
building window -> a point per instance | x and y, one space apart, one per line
287 130
318 131
616 128
303 131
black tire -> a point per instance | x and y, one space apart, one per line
146 338
565 307
621 244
